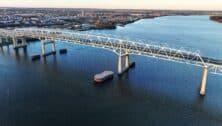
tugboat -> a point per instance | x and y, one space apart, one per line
101 77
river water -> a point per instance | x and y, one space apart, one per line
59 90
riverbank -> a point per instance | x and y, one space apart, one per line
82 19
96 24
216 18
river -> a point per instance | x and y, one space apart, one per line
59 91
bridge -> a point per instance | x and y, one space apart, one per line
123 48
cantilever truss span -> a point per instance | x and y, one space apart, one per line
119 46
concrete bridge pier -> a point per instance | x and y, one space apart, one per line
127 62
1 42
14 40
204 81
53 47
44 43
24 42
127 66
43 47
120 64
4 41
17 45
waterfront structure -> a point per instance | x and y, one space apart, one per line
123 48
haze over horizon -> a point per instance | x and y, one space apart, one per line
117 4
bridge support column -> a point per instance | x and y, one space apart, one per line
47 42
53 47
6 39
204 81
15 42
21 44
119 64
0 41
127 61
43 48
24 43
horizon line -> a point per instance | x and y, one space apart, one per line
112 8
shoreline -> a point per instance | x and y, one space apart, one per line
216 19
83 19
111 27
105 27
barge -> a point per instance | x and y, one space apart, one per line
101 77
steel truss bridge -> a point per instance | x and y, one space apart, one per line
123 48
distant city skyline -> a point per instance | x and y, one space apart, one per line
118 4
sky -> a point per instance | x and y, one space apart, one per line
118 4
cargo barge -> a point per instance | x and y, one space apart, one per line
102 77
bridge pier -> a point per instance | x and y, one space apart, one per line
17 45
4 41
204 81
53 47
120 64
7 39
14 41
128 65
127 61
1 41
44 43
24 42
43 48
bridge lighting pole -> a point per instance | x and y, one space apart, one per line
204 81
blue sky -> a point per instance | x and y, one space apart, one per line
124 4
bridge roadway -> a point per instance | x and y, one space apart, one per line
123 48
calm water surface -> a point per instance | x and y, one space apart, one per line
59 91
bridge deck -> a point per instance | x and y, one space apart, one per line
117 45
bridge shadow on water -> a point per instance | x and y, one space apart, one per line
50 65
21 54
122 85
198 103
5 50
52 60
